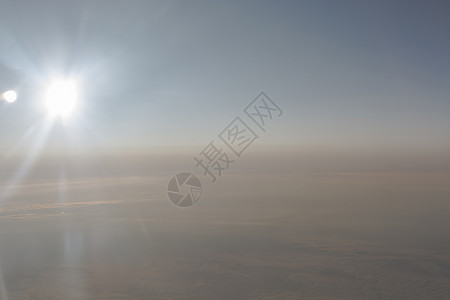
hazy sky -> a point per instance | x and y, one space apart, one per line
345 196
155 73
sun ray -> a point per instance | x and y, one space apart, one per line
39 142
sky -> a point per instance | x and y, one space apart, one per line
343 196
346 72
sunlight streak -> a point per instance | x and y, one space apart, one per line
26 165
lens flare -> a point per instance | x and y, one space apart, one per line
10 96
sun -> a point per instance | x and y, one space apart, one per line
61 98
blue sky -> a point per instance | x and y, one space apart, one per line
176 72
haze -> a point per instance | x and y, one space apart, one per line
345 195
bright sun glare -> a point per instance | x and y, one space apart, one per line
61 98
